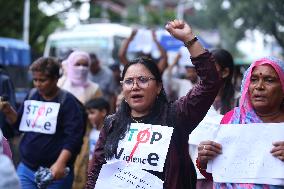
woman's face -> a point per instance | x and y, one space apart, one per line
79 71
140 89
265 89
46 86
82 62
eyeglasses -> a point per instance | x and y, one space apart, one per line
142 82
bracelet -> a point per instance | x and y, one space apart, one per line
198 165
190 42
203 171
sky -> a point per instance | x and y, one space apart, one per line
72 17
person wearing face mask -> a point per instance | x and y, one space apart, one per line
76 82
77 68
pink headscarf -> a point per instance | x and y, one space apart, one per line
78 75
245 112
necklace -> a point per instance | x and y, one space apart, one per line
137 121
269 114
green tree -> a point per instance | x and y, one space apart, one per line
267 16
232 18
155 16
11 23
41 25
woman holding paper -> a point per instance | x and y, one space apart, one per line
261 102
145 106
224 102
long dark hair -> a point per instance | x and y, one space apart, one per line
225 60
122 116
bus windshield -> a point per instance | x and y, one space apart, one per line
102 46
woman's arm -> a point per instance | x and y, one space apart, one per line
123 49
58 168
192 108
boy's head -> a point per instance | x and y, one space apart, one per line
97 110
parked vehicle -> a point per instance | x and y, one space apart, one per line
15 58
104 39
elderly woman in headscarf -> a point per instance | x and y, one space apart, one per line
261 102
76 79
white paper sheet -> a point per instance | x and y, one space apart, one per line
207 128
121 175
246 154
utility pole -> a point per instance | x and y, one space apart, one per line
142 14
180 9
181 6
26 21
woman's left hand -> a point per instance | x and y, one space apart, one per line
278 150
58 170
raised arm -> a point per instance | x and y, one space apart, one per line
163 62
123 49
193 107
175 62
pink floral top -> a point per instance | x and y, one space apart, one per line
244 186
6 147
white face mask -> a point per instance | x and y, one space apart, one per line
81 71
79 74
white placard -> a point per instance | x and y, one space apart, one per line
143 41
40 117
151 151
207 128
120 175
246 154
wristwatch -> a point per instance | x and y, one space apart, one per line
190 42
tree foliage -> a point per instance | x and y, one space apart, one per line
267 16
11 23
154 16
232 18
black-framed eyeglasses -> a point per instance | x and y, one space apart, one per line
141 81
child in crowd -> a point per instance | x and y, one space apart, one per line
97 110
